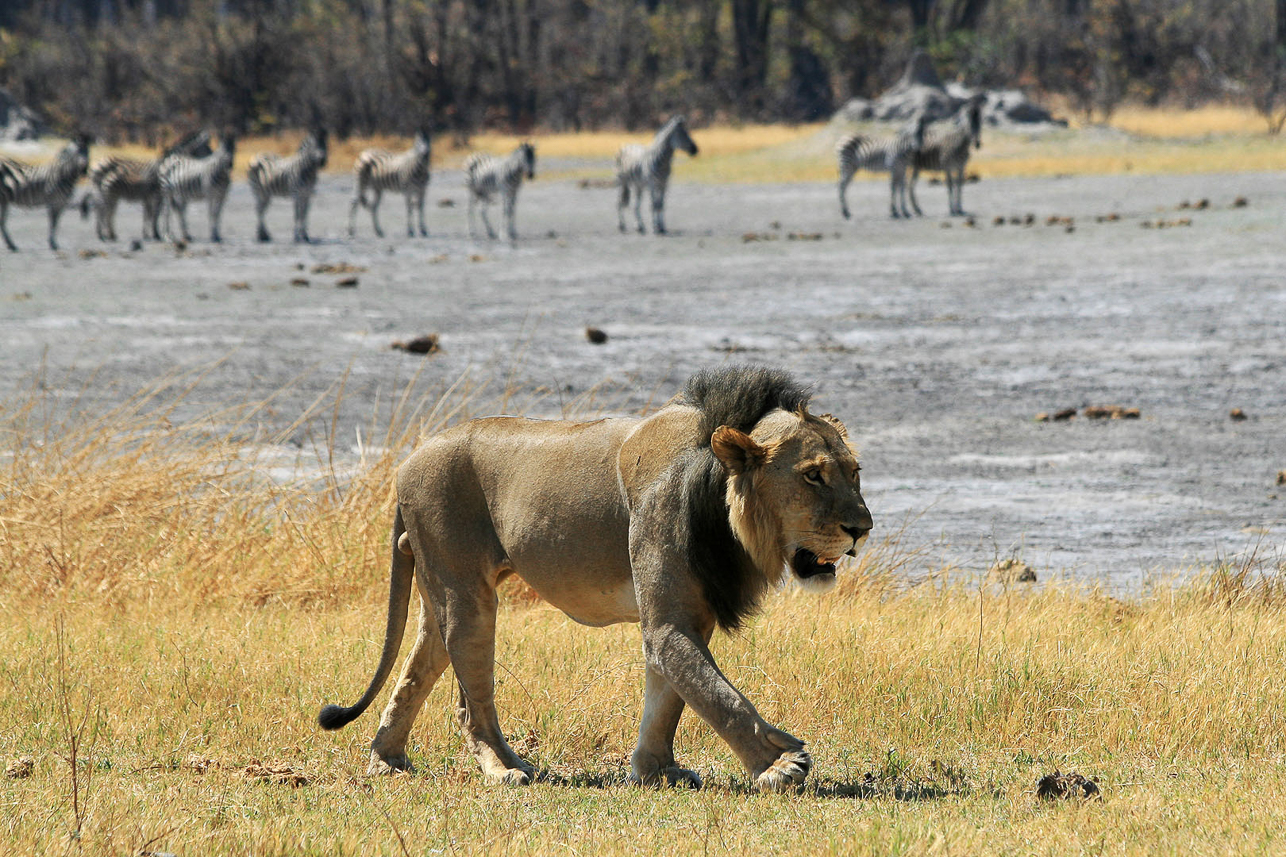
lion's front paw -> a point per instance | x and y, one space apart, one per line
512 776
670 776
788 771
381 766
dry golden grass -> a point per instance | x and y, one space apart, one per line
182 618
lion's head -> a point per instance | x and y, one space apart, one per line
794 493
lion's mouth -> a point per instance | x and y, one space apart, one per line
807 564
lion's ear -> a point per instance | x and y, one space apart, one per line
736 450
835 424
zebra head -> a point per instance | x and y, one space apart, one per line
228 144
528 158
74 157
423 144
679 137
314 147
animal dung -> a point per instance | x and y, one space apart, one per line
299 281
1237 415
1281 477
1064 415
1202 204
1072 785
595 335
1240 202
347 283
424 344
446 202
1110 412
239 286
337 268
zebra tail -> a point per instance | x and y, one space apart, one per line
363 175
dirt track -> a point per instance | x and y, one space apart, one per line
938 346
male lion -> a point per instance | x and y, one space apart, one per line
680 521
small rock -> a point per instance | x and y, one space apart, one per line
1240 202
446 202
1056 785
20 769
1184 204
596 336
1202 204
180 246
424 344
477 257
135 246
347 283
299 281
239 286
998 220
1236 415
1029 220
337 268
1111 412
1064 414
1042 417
1281 477
805 236
970 222
1147 224
1069 228
1012 571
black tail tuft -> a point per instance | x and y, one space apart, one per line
334 717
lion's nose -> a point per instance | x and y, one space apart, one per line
855 532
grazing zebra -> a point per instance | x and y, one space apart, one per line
484 175
50 185
296 176
947 149
857 152
405 173
115 178
185 178
648 166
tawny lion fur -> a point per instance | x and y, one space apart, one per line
680 521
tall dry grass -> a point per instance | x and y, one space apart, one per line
206 597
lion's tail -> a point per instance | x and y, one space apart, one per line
401 576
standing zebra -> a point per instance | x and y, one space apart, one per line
115 178
405 173
50 185
295 176
857 152
484 175
185 178
648 166
947 149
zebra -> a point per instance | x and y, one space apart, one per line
114 178
295 176
406 173
648 166
857 152
485 175
185 178
50 185
947 149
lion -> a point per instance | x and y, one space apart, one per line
681 521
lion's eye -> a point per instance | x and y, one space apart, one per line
814 476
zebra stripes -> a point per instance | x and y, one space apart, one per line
485 175
639 167
406 173
295 176
857 152
185 178
116 178
49 185
947 149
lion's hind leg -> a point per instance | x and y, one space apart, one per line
467 616
652 763
423 667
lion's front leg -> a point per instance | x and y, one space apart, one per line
775 759
652 763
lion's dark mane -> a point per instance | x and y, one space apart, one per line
736 396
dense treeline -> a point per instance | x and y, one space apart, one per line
136 68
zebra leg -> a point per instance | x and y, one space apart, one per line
301 216
638 210
622 202
910 189
410 214
261 206
151 213
951 192
352 211
419 205
658 209
215 207
4 229
486 221
511 202
55 212
375 213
